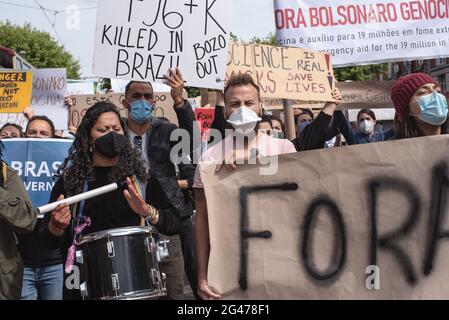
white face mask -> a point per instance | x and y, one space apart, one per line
366 127
244 120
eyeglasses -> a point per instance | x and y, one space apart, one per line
138 145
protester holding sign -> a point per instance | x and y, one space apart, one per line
151 138
16 217
243 110
40 127
315 133
101 154
421 108
366 120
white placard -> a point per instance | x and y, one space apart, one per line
49 90
364 32
141 40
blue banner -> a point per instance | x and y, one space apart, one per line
36 161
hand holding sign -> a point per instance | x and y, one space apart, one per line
175 80
330 106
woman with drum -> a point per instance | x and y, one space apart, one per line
101 154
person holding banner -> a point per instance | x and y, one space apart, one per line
421 107
366 120
17 216
101 154
243 109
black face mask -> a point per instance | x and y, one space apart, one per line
110 145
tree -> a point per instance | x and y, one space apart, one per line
38 48
361 73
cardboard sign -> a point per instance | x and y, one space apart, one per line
360 222
356 95
49 90
205 117
36 161
164 106
141 40
15 90
281 72
364 32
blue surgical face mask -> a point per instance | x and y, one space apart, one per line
141 110
301 126
433 108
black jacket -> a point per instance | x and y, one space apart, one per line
162 169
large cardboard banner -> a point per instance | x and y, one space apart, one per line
36 161
355 94
363 32
15 90
360 222
164 106
281 72
141 40
49 90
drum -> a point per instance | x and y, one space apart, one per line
120 264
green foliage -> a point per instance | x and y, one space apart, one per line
193 92
38 48
104 84
361 73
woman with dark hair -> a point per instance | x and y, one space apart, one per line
278 127
421 108
366 121
11 130
101 154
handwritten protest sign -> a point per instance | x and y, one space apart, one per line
36 161
141 40
164 106
15 90
355 95
360 31
205 117
281 72
381 205
49 90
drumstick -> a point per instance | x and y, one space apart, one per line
78 198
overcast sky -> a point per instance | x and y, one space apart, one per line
250 18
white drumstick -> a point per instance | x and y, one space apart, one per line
79 197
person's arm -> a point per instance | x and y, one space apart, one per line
314 135
345 127
15 205
187 173
169 222
219 122
389 134
202 245
53 225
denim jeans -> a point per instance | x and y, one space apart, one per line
43 283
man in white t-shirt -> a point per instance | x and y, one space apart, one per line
243 111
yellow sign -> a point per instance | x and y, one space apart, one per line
15 90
